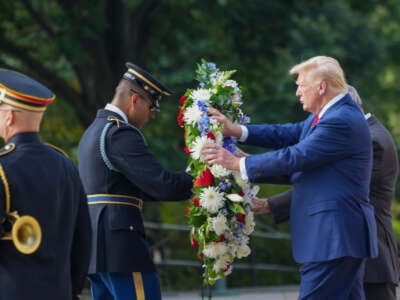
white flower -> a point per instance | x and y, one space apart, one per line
242 251
219 138
231 83
192 115
234 197
238 178
215 250
201 95
198 145
219 171
249 223
211 199
250 191
214 124
219 224
222 263
236 98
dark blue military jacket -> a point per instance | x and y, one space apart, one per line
45 184
117 183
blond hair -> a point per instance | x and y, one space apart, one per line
323 68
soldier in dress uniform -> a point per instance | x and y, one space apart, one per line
45 226
120 174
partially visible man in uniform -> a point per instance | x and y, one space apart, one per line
381 273
119 174
51 238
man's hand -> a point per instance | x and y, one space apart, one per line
230 129
241 153
214 154
260 205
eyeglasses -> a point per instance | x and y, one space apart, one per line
155 106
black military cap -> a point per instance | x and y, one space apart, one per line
21 91
146 82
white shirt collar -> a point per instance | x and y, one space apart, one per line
367 116
115 109
331 102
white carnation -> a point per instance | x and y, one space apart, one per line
219 224
219 138
215 250
201 95
238 178
231 83
219 171
222 263
242 250
192 115
249 223
211 199
198 145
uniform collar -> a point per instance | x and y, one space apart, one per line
118 111
25 137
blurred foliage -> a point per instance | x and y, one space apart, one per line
78 48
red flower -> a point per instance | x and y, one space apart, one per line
241 193
187 210
196 202
194 243
241 218
180 118
221 239
201 257
186 149
211 136
205 179
228 264
182 100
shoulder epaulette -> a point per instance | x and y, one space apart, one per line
58 149
7 149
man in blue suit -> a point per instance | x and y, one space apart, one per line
327 158
381 273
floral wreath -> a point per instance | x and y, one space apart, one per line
220 213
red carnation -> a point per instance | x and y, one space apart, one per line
228 265
180 118
182 100
196 202
211 136
194 243
221 238
186 149
205 179
240 218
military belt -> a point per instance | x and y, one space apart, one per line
115 200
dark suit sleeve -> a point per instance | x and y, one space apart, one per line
80 253
130 155
279 206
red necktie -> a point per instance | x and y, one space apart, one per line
316 119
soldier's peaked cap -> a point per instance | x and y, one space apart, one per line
21 91
145 81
